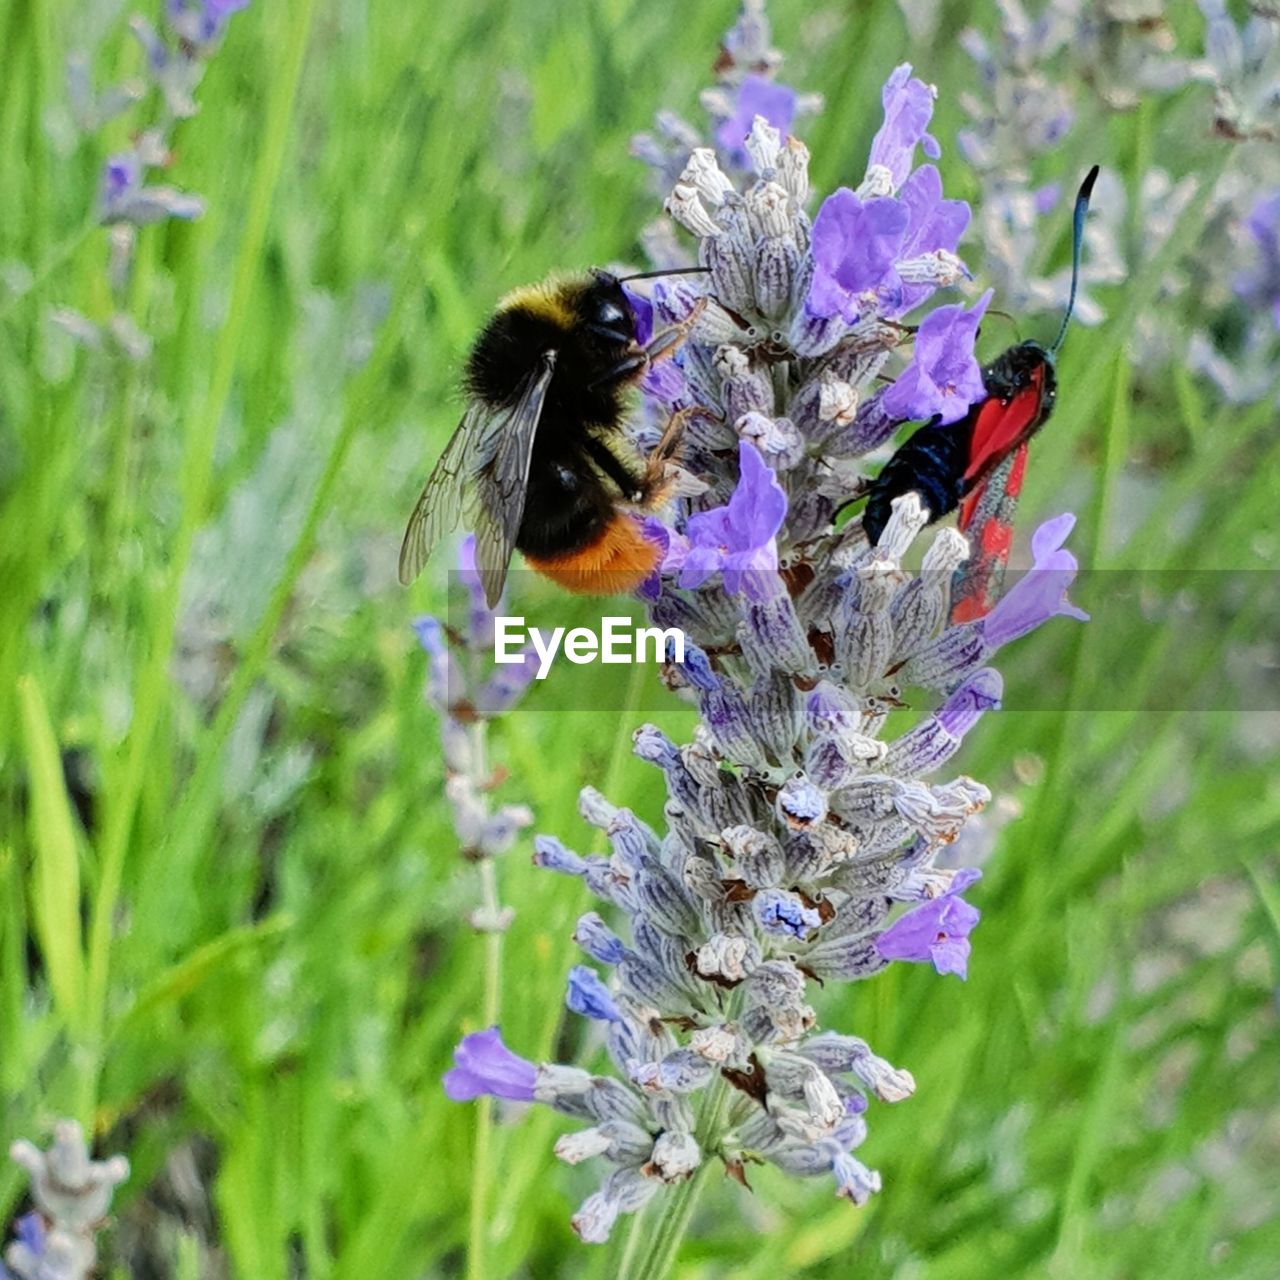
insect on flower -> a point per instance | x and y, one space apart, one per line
545 382
978 463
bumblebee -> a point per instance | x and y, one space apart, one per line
533 463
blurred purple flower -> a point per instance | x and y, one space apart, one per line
1045 198
757 96
908 107
121 176
1041 593
855 243
201 21
740 538
124 196
943 378
936 932
1260 286
484 1065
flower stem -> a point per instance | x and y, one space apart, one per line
657 1243
490 1007
652 1245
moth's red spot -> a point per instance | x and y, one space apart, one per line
970 609
997 541
1017 473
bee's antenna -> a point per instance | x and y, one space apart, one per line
1077 237
671 271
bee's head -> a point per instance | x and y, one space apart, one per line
605 312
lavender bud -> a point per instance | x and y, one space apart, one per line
774 707
756 855
773 638
800 804
729 257
793 170
598 940
744 389
686 207
675 1157
726 958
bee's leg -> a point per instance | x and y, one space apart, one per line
630 485
655 471
669 341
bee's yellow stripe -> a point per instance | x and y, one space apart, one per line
548 300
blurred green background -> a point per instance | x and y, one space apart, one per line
231 907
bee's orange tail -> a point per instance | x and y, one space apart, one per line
617 562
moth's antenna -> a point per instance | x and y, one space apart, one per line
672 271
1004 315
1077 238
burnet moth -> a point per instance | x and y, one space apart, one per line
978 463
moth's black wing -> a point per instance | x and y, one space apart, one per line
440 504
503 478
488 458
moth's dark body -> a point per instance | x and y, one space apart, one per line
589 326
935 460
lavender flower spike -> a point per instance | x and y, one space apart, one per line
468 689
796 814
72 1192
484 1065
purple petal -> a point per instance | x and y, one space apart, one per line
947 379
739 536
855 244
759 503
642 311
935 932
951 956
1041 593
962 710
908 107
484 1065
588 996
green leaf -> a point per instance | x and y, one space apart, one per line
55 886
181 979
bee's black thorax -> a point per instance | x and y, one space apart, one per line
589 324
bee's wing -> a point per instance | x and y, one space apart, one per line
503 480
440 504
